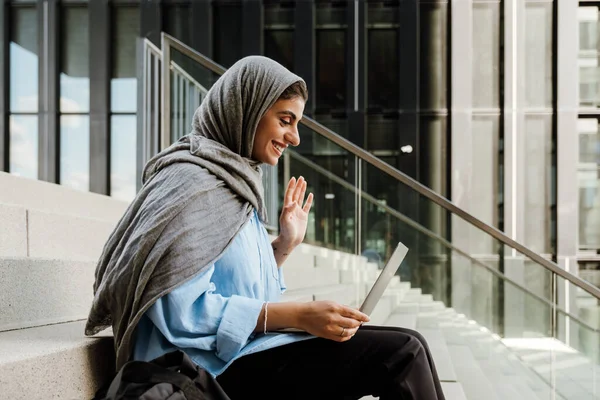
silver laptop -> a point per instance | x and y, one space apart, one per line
384 279
380 284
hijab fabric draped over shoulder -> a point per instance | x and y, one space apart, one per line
155 247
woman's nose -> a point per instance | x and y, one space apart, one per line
293 137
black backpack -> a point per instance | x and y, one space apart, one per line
172 376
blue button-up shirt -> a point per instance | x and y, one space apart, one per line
212 317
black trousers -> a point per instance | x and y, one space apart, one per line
385 362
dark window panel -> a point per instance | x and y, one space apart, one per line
321 145
331 13
382 12
124 80
382 133
279 13
383 86
178 22
331 70
4 84
23 54
74 63
228 31
279 45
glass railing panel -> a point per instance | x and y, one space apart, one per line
576 354
361 209
332 220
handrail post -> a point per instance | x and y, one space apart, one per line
165 134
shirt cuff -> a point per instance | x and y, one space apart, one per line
237 324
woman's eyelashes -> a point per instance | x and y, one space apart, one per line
285 121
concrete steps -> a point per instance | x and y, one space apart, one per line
495 371
574 376
51 236
48 197
53 362
36 292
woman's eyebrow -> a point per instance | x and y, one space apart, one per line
288 112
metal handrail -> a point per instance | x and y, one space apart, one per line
371 199
169 41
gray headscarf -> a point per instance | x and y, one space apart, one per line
159 243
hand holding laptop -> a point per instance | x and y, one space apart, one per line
334 321
330 320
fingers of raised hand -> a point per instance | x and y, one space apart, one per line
308 204
299 191
290 190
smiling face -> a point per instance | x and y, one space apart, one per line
277 130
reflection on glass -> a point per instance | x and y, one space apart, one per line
382 134
588 28
538 55
279 45
383 88
589 183
277 13
538 182
589 83
589 74
74 76
484 150
486 55
123 85
24 145
123 157
178 22
23 60
331 69
227 18
75 151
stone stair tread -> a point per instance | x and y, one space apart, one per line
319 289
25 344
54 361
29 296
474 382
403 320
453 391
441 355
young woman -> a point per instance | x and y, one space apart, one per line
190 266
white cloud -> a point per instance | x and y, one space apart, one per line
23 149
123 186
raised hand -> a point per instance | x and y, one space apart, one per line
294 215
